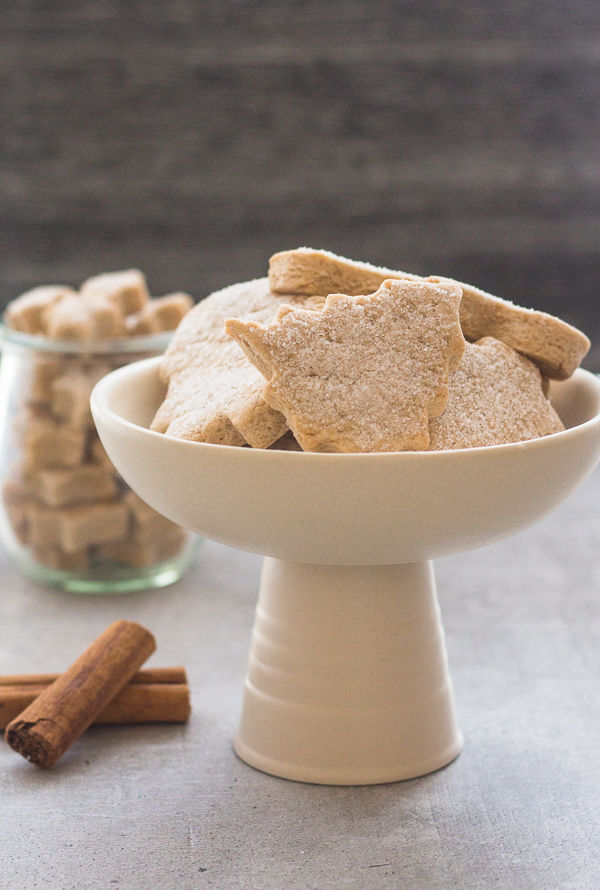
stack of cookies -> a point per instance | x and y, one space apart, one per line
64 500
332 355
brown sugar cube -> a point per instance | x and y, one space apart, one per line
97 452
31 415
71 392
94 318
171 545
139 554
79 318
88 482
496 397
13 491
127 289
159 314
45 369
15 497
44 526
49 444
139 509
367 372
88 525
129 553
21 483
27 312
148 527
55 558
17 516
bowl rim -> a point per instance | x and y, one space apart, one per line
101 391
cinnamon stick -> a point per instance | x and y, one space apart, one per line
146 675
156 695
65 709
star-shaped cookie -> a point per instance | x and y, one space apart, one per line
367 372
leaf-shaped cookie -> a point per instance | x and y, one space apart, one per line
367 372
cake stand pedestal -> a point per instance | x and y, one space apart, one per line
348 679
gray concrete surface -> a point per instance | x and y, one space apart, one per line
159 808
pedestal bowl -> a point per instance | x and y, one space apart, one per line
347 680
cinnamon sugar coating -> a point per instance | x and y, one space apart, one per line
367 372
554 346
496 397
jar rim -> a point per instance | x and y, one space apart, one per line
123 345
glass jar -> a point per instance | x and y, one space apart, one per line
66 516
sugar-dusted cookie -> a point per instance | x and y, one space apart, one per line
366 372
556 347
215 394
496 397
311 272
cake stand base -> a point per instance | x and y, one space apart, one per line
347 680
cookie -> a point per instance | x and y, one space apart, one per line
496 397
554 346
214 393
364 374
313 272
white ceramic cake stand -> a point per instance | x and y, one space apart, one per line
347 680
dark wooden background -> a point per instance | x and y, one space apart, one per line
193 138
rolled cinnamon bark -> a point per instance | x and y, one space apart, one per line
147 675
65 709
157 695
151 703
